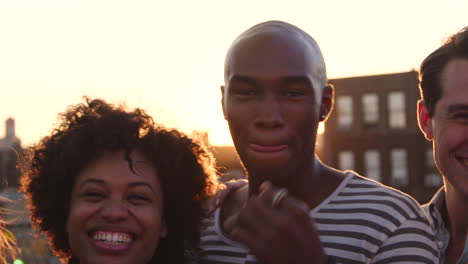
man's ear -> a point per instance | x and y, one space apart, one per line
425 120
222 101
326 103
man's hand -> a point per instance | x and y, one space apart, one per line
280 231
217 200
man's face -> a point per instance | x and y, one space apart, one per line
271 105
448 127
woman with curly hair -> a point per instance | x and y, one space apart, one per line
110 186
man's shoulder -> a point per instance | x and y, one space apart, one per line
365 190
216 246
223 218
366 216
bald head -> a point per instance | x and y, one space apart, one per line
291 40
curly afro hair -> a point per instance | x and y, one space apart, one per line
186 170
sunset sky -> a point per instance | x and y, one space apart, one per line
167 56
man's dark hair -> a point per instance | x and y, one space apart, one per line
86 131
456 46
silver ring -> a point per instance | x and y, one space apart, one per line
278 196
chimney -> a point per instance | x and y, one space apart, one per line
10 128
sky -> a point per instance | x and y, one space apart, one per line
167 57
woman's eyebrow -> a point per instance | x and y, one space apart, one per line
137 184
90 181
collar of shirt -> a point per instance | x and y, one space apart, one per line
434 210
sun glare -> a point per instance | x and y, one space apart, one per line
321 128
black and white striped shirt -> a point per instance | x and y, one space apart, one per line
362 221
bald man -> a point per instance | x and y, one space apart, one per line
296 209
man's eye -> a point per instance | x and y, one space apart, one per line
246 92
460 116
294 93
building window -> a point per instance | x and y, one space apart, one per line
346 160
399 165
370 107
396 110
372 164
344 111
431 178
429 158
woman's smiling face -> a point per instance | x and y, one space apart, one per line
116 211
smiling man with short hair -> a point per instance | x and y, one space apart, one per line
443 118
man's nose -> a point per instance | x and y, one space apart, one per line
114 211
269 113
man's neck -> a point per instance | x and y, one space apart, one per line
310 184
312 188
457 215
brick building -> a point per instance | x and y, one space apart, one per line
373 130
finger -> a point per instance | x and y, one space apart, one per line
237 184
248 238
211 203
221 196
254 216
230 187
256 247
288 201
271 195
296 212
285 213
265 186
262 238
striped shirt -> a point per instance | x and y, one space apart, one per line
362 221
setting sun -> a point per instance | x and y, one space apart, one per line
169 60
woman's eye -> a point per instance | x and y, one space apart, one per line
93 196
138 198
